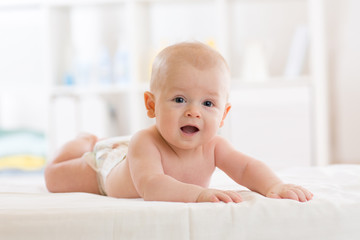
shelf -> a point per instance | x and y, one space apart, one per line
71 3
60 91
273 82
19 3
27 90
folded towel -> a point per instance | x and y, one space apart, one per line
22 150
14 142
22 162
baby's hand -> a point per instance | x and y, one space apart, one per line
289 191
214 195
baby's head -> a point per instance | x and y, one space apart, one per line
189 94
191 54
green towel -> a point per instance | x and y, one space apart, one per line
22 149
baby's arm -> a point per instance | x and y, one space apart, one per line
255 175
154 185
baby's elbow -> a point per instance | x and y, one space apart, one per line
147 186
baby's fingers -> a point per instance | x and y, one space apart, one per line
213 195
300 195
307 193
289 194
234 196
273 195
222 196
297 193
214 198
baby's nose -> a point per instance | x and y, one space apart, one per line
192 112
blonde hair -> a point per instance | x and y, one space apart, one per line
196 54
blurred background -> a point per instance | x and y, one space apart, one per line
72 66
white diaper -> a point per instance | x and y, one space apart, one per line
106 155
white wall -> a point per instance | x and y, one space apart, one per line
343 20
20 62
21 52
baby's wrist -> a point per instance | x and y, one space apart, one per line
273 188
199 195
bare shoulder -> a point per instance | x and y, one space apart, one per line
147 135
221 143
142 135
144 142
222 148
143 155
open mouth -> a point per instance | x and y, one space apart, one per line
189 129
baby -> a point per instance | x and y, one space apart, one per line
174 159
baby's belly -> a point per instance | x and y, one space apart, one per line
119 183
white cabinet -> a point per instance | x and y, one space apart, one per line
272 124
98 54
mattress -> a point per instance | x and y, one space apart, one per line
28 211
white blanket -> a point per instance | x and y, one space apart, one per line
28 211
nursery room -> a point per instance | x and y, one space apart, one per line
82 67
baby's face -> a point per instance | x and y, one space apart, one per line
191 105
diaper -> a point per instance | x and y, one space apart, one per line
106 155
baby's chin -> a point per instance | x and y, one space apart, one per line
184 144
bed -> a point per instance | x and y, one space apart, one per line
28 211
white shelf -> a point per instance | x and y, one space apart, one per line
77 90
71 3
27 90
273 82
21 3
60 91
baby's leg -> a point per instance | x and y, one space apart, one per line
69 172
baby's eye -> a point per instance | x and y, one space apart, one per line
179 100
208 104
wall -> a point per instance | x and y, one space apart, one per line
344 52
21 48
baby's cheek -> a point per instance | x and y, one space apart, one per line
213 128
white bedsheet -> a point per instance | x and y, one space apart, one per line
28 211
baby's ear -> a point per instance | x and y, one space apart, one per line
226 111
149 104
